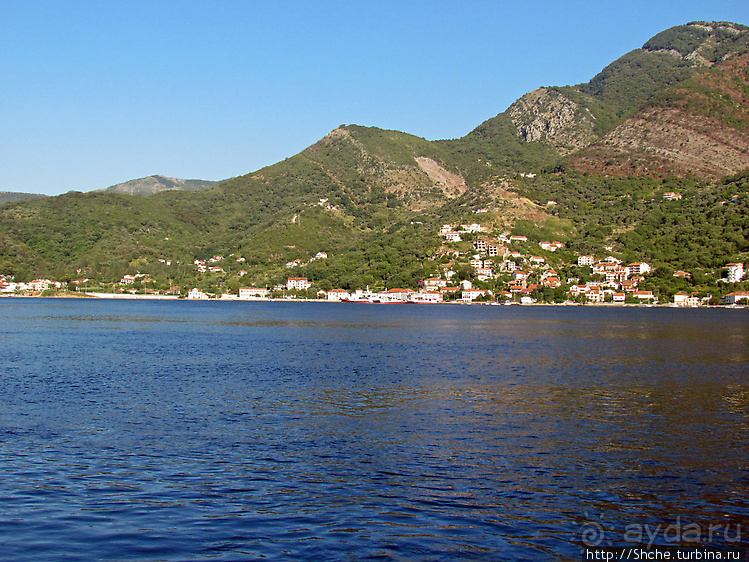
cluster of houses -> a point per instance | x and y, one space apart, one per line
9 286
619 282
211 265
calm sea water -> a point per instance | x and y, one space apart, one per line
288 431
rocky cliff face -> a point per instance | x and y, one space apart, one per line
546 115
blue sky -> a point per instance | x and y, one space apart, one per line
97 93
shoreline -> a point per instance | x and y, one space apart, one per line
119 296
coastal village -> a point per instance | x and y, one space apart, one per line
498 269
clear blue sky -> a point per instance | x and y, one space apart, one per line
97 93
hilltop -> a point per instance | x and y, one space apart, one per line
678 105
155 184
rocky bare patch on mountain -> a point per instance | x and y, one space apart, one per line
546 115
667 141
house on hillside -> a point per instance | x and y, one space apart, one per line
638 268
735 272
484 273
494 249
551 246
552 282
472 228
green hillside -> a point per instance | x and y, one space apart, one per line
374 200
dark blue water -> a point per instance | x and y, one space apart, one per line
290 431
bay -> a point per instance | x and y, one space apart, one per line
162 430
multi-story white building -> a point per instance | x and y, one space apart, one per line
638 268
41 284
253 293
735 272
297 283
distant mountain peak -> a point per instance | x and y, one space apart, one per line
157 183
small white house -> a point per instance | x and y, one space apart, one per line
337 295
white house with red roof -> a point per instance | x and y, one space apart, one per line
469 295
434 283
427 297
735 298
297 283
338 295
644 295
638 268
